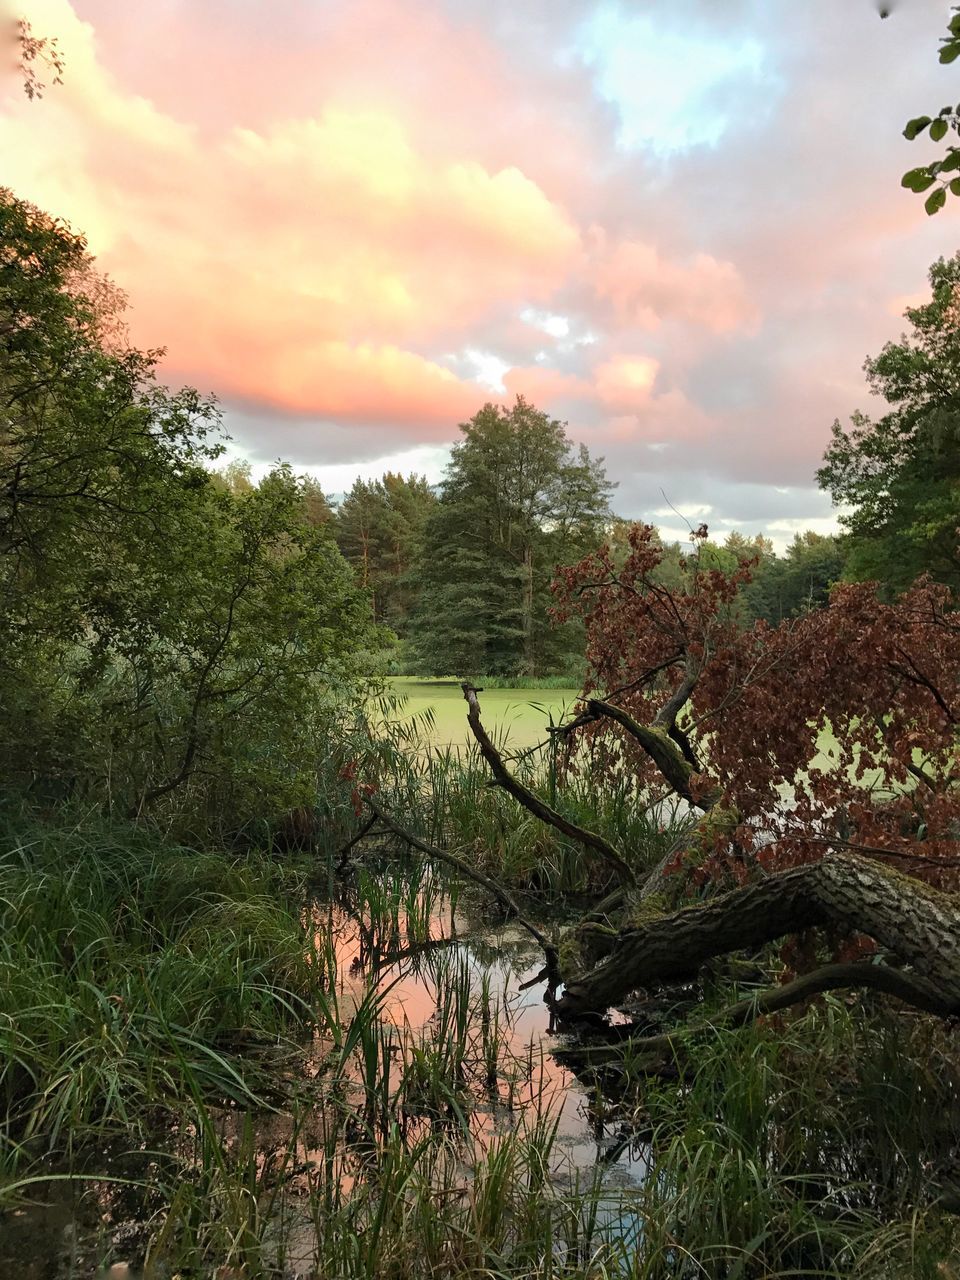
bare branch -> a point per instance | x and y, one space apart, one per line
505 899
532 802
913 990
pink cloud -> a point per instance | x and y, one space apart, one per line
309 264
626 382
644 289
335 212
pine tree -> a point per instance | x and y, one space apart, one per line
378 529
516 502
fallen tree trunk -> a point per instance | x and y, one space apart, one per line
647 1052
920 925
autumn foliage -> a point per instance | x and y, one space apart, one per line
837 728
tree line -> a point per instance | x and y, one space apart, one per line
461 573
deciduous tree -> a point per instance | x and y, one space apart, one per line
166 638
897 478
818 760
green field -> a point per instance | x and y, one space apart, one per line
518 716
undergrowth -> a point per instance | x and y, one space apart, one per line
127 965
185 1052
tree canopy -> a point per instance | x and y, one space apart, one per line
896 479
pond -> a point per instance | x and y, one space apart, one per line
519 716
426 1120
435 1042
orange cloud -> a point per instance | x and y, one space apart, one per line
626 382
615 402
308 264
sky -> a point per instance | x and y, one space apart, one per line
676 225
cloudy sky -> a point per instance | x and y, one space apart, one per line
675 224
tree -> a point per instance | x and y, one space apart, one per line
784 586
813 563
317 510
378 528
516 502
944 173
681 700
235 478
167 637
900 475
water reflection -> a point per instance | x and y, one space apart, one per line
441 1034
491 974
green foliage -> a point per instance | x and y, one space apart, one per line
810 1149
515 502
378 527
899 476
946 120
126 961
166 637
779 586
785 586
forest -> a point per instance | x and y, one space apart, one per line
289 988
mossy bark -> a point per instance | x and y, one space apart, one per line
918 924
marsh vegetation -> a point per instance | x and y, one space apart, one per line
636 957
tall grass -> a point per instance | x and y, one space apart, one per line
786 1152
185 1010
815 1147
569 681
445 795
126 962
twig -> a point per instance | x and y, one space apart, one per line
444 855
361 835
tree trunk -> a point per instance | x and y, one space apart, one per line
918 924
529 661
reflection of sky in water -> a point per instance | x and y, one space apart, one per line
508 959
591 1150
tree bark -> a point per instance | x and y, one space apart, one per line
918 924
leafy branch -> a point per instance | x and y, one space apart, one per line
943 174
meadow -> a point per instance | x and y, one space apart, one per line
518 715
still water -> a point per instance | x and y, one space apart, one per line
442 987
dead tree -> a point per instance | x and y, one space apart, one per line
726 718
